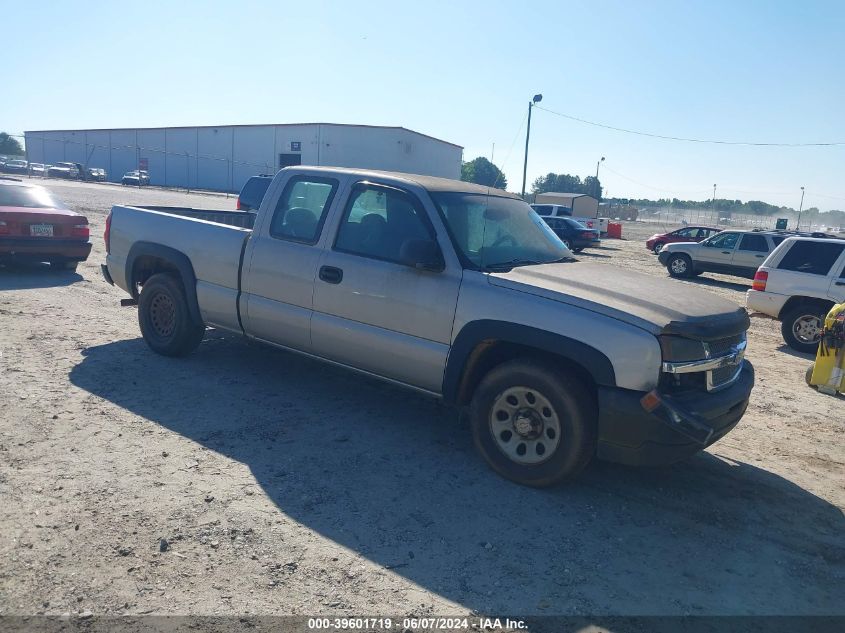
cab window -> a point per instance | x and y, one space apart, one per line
302 208
378 221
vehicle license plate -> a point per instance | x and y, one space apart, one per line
41 230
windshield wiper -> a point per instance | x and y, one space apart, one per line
499 266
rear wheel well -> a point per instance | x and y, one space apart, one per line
795 302
146 266
492 353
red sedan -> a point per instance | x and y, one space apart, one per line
687 234
36 226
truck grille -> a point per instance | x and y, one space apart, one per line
723 376
724 345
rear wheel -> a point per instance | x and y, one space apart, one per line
802 327
679 266
165 319
533 423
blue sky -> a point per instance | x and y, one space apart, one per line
465 71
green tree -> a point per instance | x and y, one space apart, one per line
9 145
482 172
564 183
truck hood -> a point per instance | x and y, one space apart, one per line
660 306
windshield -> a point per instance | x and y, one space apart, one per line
29 197
494 232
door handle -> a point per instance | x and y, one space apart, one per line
726 252
331 274
760 256
840 283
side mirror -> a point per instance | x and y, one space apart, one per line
422 254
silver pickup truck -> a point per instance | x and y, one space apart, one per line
456 290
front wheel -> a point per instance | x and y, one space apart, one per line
566 243
679 266
165 319
802 327
577 250
532 423
658 247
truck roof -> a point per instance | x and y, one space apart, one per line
430 183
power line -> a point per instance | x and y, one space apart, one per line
681 138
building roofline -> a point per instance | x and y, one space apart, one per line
193 127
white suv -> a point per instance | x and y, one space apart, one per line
798 284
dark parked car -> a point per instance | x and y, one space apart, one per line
96 174
136 177
36 226
252 193
64 170
575 235
687 234
16 166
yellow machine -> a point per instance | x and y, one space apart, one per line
828 372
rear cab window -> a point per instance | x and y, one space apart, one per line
815 258
301 210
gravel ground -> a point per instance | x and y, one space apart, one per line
243 480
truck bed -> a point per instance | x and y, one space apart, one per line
212 241
242 219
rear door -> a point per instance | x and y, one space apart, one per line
717 253
810 268
837 283
282 257
749 255
370 310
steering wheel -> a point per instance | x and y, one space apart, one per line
504 238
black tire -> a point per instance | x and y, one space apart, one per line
577 250
657 248
791 328
572 410
64 266
164 317
680 266
566 243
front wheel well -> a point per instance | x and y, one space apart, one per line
794 302
491 353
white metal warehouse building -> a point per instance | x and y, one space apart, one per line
221 158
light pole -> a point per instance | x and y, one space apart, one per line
535 100
714 199
598 164
800 208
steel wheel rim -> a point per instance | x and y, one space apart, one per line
679 265
657 248
567 244
163 315
525 425
807 328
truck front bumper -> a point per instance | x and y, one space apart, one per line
663 256
628 434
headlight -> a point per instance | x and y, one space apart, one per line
678 349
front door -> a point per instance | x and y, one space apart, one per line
373 312
716 253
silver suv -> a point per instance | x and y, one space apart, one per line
737 253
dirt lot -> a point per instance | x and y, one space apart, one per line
282 486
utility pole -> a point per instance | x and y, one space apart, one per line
598 163
537 99
800 208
